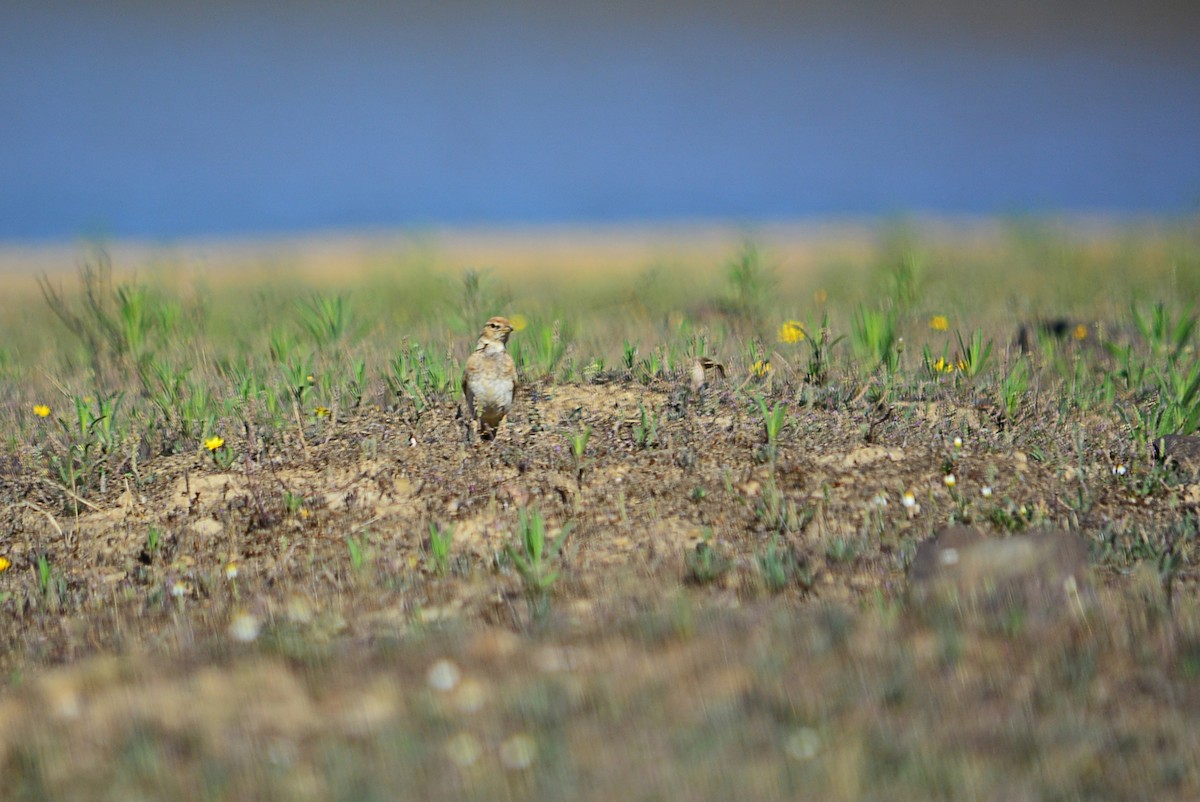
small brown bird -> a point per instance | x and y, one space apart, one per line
489 379
700 371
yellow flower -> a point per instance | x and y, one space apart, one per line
1080 332
962 364
939 323
942 366
214 442
518 322
231 570
5 564
321 412
761 368
791 332
41 410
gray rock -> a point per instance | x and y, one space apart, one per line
1180 450
1002 581
940 554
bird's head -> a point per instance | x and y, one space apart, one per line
497 329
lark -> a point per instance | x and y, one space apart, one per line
700 372
489 379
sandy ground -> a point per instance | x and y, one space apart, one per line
611 247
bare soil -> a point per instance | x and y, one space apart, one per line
251 654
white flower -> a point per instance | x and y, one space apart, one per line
803 744
958 442
443 676
1119 470
244 627
879 500
985 491
949 480
908 499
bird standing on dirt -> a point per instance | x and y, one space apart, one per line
489 379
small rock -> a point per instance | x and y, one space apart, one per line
1022 579
513 494
942 550
441 613
861 457
1180 450
563 485
207 527
494 644
686 458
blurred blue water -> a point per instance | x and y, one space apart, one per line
163 119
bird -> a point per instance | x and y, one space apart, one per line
700 371
490 379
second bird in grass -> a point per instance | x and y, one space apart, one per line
489 379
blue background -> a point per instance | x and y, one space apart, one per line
161 119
